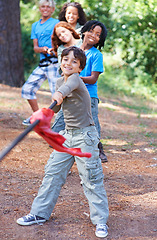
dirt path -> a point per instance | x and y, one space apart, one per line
130 176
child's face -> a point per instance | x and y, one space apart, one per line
72 15
93 36
70 65
64 34
46 10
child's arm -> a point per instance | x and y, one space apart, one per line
65 89
38 49
91 79
58 97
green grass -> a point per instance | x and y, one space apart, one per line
127 87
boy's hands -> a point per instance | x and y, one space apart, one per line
44 49
50 51
58 97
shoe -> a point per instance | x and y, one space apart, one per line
101 153
101 230
69 173
30 219
26 122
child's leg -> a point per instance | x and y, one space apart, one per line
56 172
30 88
91 173
34 104
33 83
59 123
52 74
94 110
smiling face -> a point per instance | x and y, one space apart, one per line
64 34
93 36
72 15
70 65
46 10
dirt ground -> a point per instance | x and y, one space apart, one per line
130 175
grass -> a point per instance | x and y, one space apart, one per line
127 87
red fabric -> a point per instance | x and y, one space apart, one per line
43 128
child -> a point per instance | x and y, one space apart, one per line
63 36
73 13
93 35
48 67
80 132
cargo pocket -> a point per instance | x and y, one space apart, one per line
89 138
94 170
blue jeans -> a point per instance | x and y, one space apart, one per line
90 171
59 123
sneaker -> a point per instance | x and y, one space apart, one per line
30 219
101 153
69 173
26 122
101 230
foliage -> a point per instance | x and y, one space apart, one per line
132 28
135 33
29 15
116 81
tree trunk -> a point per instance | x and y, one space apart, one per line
11 58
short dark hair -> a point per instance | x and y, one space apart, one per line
91 25
78 54
82 16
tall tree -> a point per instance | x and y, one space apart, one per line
11 58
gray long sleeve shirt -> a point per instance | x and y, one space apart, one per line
76 104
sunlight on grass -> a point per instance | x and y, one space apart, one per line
120 79
115 142
126 111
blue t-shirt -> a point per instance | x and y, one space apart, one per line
43 33
94 62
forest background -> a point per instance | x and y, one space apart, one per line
130 51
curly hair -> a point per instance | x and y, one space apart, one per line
82 16
91 25
78 54
56 42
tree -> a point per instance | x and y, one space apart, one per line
11 58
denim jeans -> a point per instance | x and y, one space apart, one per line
90 171
59 123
